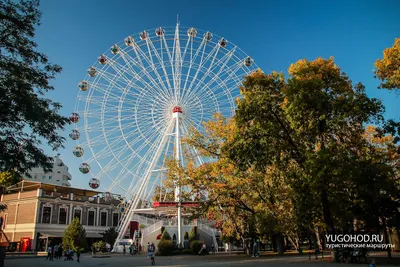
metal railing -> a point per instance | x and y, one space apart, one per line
210 231
152 228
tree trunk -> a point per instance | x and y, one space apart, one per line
389 251
281 244
317 238
274 243
326 209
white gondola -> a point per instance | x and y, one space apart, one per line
160 31
102 59
208 36
248 61
115 49
129 41
92 71
84 168
94 183
83 86
192 32
74 117
74 134
223 42
143 35
78 151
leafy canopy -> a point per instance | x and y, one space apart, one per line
74 236
388 68
26 117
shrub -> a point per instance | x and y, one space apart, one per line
186 251
195 246
165 235
192 234
100 246
165 248
176 252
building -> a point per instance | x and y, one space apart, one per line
38 213
58 176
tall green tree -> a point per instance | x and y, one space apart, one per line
74 236
26 116
110 235
308 122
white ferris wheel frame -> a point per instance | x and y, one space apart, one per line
175 69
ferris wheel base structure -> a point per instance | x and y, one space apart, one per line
140 99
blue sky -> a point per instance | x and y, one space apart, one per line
275 33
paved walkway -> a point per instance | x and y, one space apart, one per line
184 260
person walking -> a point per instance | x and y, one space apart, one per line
124 250
255 249
203 249
49 253
212 249
78 254
55 251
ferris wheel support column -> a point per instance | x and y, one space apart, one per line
178 186
131 209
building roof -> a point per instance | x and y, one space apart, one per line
31 185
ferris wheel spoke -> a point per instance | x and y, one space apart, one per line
232 70
157 89
202 44
221 63
214 52
161 62
155 70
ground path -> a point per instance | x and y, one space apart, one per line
117 260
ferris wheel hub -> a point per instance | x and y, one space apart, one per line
177 109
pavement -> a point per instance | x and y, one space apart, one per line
118 260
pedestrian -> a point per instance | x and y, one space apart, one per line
55 251
212 249
255 250
124 250
49 253
60 252
203 249
372 264
70 255
130 250
78 254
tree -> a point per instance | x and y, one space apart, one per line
388 68
110 235
26 117
249 203
74 236
8 178
306 126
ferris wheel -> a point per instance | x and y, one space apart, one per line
141 97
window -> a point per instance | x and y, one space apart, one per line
78 214
44 177
46 215
91 217
115 219
62 216
103 218
50 177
